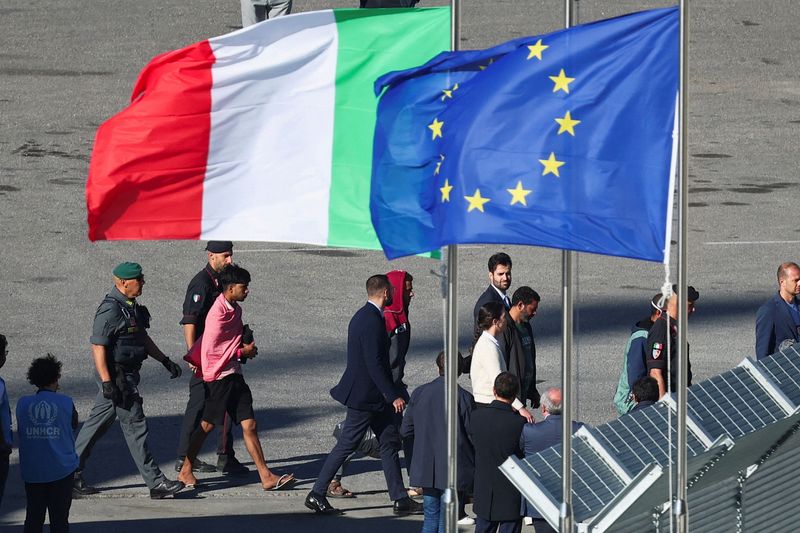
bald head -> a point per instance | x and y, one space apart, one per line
551 401
789 281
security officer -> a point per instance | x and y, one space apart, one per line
200 294
120 344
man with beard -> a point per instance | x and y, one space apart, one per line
499 283
372 400
518 345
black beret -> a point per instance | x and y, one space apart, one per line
218 247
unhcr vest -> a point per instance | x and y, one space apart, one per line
46 438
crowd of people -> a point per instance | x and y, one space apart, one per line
495 420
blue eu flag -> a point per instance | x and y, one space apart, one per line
563 140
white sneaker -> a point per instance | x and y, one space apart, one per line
466 521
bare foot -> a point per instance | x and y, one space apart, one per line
276 482
186 475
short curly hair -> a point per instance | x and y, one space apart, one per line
44 371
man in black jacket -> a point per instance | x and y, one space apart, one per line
371 398
518 345
495 433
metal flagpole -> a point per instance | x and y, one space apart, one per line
679 509
451 342
567 274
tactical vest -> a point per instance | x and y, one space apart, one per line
128 349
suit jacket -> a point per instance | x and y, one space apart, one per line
489 295
495 433
367 381
425 421
538 437
774 324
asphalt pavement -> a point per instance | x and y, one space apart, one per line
66 68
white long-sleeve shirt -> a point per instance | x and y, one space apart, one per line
487 363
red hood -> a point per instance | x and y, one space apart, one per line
396 314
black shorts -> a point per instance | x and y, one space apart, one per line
229 394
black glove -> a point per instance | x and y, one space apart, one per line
111 392
174 370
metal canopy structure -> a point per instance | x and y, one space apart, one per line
743 431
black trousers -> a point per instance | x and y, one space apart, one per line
353 429
54 498
3 475
192 417
487 526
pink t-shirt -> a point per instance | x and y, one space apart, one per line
221 340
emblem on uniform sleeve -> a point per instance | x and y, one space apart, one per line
657 349
196 298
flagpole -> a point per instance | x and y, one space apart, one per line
679 509
567 274
451 343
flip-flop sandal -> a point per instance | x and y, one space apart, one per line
285 481
338 491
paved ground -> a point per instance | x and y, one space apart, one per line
64 69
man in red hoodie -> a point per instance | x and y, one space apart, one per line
221 350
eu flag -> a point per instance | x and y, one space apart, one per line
563 140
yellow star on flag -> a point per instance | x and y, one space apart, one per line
536 50
551 165
436 128
448 93
484 67
567 124
476 201
446 191
561 82
518 194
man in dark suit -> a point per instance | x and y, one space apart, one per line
540 436
778 319
425 423
371 398
495 433
499 283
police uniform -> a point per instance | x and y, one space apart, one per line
121 324
200 295
657 351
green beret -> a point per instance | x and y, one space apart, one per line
128 270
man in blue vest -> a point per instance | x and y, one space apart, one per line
120 344
778 320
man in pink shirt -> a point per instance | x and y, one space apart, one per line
221 349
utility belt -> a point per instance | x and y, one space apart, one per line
402 328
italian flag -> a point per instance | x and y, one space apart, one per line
264 134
